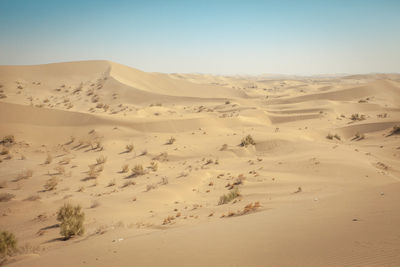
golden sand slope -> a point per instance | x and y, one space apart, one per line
324 170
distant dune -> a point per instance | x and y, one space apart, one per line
199 170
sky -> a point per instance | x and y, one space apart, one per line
302 37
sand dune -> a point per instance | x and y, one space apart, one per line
324 169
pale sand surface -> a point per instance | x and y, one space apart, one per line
347 212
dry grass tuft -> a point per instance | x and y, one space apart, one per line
229 197
246 141
138 170
171 140
51 184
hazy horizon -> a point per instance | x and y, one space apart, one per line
226 37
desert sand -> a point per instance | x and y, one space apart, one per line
320 186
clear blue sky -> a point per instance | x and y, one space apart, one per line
222 37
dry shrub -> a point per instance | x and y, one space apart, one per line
129 148
229 197
357 117
358 136
71 220
251 207
102 159
8 140
51 184
4 197
125 168
8 244
171 140
168 220
3 184
248 140
138 170
395 130
153 166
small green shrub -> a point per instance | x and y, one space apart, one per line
71 220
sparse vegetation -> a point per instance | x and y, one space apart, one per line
125 168
129 148
102 159
153 166
4 197
51 184
357 117
8 140
395 130
246 141
224 147
138 170
71 220
229 197
358 136
8 244
171 140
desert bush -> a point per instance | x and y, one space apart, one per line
229 197
395 130
357 117
171 140
4 197
224 147
248 140
164 181
125 168
102 159
129 148
51 184
337 137
138 170
3 184
329 136
153 166
71 220
8 140
358 136
8 243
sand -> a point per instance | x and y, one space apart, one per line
324 170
